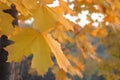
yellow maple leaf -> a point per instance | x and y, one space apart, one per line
56 49
47 17
44 18
62 61
5 20
29 41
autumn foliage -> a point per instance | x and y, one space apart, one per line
50 35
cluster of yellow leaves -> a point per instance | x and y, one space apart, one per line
111 9
113 13
86 47
36 40
50 16
84 43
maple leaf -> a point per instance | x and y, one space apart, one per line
5 20
56 49
28 41
43 16
62 60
